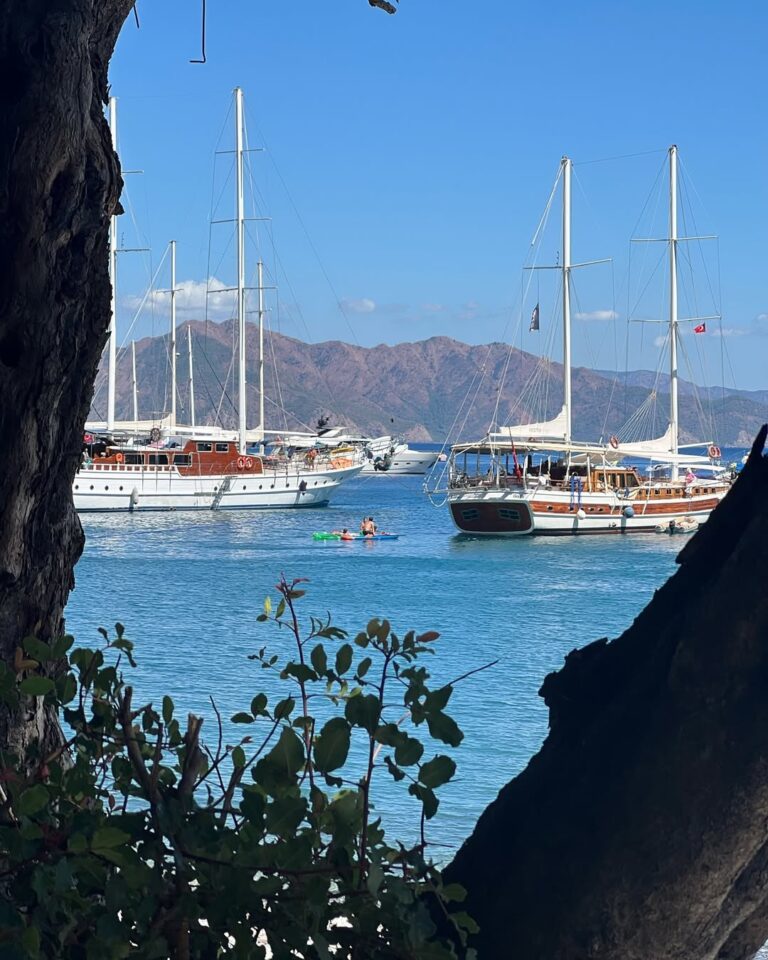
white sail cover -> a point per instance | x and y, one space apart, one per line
546 430
658 445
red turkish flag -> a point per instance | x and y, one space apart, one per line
701 328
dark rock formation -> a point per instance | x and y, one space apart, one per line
59 183
639 831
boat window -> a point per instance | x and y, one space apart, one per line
134 458
158 458
182 459
204 447
222 448
472 514
506 514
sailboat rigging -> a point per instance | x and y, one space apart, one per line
170 466
558 485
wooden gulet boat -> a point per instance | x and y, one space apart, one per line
204 475
162 465
535 479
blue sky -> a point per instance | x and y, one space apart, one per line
409 159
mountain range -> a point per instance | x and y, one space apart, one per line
427 390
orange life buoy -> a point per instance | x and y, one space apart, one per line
240 463
614 441
714 452
248 463
119 457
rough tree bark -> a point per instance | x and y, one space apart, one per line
638 832
59 183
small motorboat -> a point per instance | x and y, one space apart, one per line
679 525
347 536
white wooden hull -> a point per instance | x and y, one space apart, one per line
516 512
108 488
406 462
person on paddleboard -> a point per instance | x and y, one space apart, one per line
368 527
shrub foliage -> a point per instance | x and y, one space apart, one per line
138 839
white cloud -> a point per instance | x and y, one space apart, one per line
191 298
728 332
432 308
360 305
660 342
598 315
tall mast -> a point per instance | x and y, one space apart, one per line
173 334
566 273
191 378
241 383
112 361
261 349
673 412
134 382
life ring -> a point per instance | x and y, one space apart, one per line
119 457
714 452
240 463
248 463
614 441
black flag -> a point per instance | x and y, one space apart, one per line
534 318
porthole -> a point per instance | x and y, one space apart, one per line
243 486
121 488
91 486
106 487
259 486
549 507
77 486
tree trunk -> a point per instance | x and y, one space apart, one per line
638 832
59 183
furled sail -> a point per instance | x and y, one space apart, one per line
546 430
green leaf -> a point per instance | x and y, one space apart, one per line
453 893
238 756
300 671
343 659
66 688
332 745
284 708
437 700
463 920
363 667
30 940
408 751
32 801
36 686
242 718
77 843
167 710
106 838
427 797
437 771
319 659
442 727
259 705
267 606
37 649
375 878
396 772
363 711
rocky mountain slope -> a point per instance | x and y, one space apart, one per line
427 390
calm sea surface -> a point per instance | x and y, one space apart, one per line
189 586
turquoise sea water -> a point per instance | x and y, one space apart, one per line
189 588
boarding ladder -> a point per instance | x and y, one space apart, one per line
225 485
